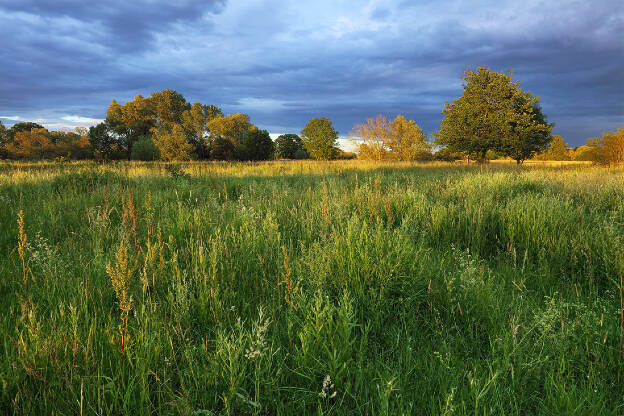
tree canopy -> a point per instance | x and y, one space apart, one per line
287 146
399 139
320 138
493 113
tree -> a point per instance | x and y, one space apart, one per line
232 127
4 138
375 135
145 149
400 139
528 132
23 126
221 149
105 145
608 149
172 143
254 145
493 113
168 106
320 138
194 121
408 141
557 150
132 120
287 145
31 144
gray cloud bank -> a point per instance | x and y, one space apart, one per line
62 61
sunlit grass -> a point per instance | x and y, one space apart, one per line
345 287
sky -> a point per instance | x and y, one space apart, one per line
284 62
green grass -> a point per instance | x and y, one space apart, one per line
418 289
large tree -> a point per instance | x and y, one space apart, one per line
320 138
493 113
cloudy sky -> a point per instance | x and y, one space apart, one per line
283 62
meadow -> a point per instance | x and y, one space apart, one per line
296 288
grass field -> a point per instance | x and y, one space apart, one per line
310 288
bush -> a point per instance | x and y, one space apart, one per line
301 154
221 149
145 149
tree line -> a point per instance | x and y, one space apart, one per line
493 118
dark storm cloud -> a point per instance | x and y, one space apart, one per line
284 63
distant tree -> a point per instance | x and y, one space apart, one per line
221 149
557 150
31 144
320 139
194 121
583 153
287 145
407 141
614 146
145 149
493 113
375 135
71 145
4 138
445 155
254 145
104 144
172 144
23 126
608 149
399 139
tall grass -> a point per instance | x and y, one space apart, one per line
310 287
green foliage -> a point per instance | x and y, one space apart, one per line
172 144
301 154
23 126
222 149
194 122
287 145
168 106
254 145
557 150
4 139
493 113
104 144
528 132
145 149
320 138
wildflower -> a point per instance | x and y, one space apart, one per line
258 345
326 389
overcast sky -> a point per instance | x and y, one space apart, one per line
62 61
